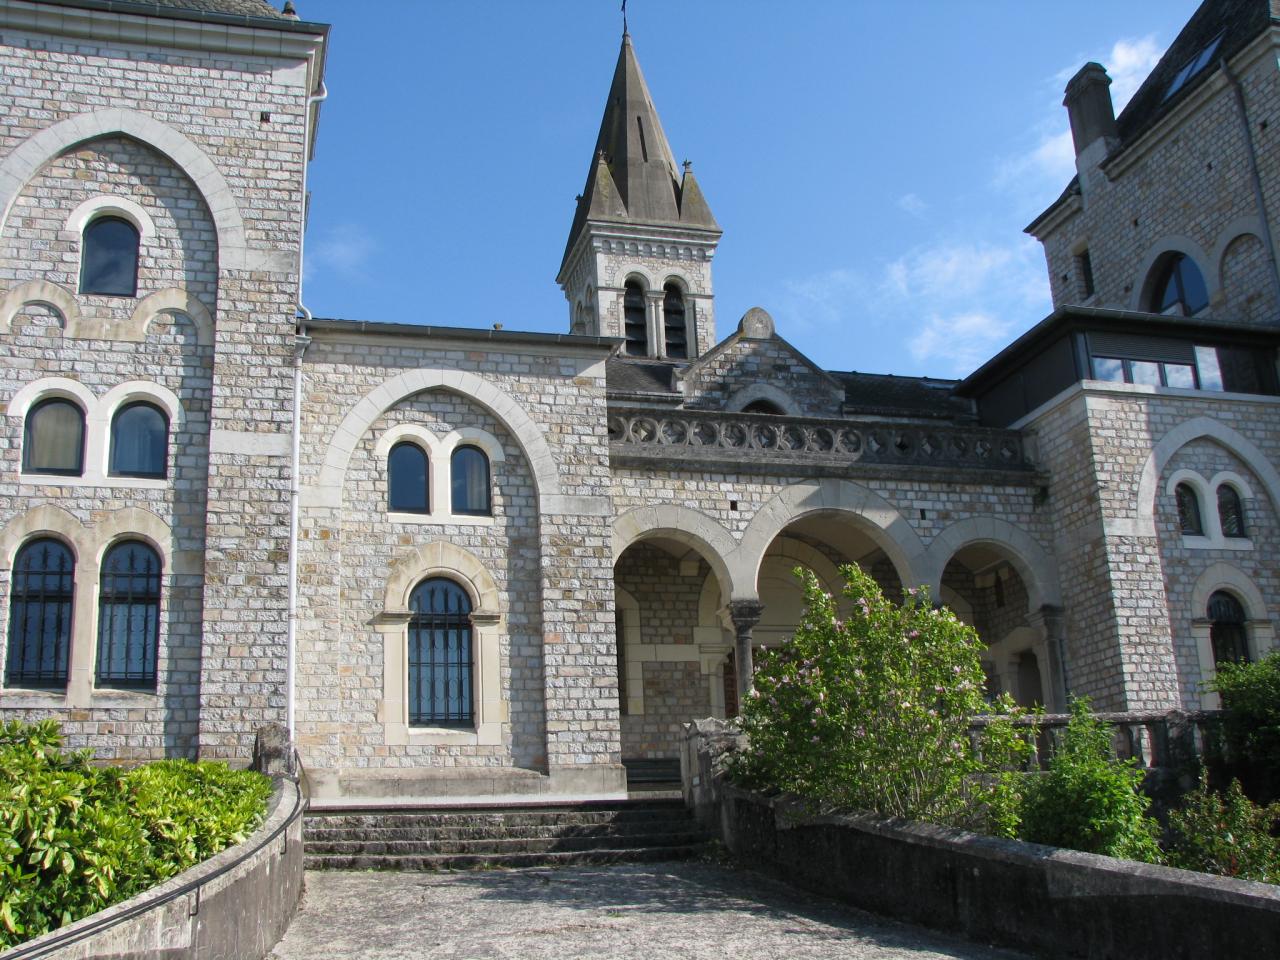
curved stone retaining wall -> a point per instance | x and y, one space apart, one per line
234 906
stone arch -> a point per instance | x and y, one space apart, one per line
1024 553
687 526
1146 275
876 515
524 431
1245 226
30 393
1144 522
57 298
171 300
44 520
441 558
764 391
107 204
1226 576
32 154
134 523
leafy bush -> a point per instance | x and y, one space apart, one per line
75 838
1089 799
1225 834
1251 698
873 713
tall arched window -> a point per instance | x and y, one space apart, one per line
469 478
1188 510
139 441
129 616
635 328
1231 512
440 655
109 257
673 322
53 438
40 604
407 484
1179 287
1226 629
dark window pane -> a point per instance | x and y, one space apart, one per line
470 480
1195 297
763 406
54 438
635 328
1239 370
1230 512
109 258
1188 510
1208 368
407 479
1226 630
673 323
129 616
139 441
1180 287
1108 368
40 602
440 656
1179 375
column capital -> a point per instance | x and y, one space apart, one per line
745 613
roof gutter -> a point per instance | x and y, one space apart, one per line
1238 90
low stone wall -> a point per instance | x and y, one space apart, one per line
234 906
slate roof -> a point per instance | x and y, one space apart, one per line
884 394
219 9
639 376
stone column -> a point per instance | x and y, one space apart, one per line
657 330
745 615
1051 621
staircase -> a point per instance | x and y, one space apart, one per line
623 831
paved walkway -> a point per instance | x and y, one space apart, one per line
689 911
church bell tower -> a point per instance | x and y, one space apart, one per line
638 261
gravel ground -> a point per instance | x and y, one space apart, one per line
688 911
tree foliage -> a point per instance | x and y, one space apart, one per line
873 712
1251 700
75 838
1226 834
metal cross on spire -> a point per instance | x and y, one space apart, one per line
624 18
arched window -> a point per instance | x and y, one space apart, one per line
1188 510
407 484
440 655
469 477
129 616
53 438
139 441
635 329
40 602
763 406
109 258
1179 287
1226 629
1230 512
673 322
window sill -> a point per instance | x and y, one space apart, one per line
445 735
1216 543
31 699
440 519
121 697
91 480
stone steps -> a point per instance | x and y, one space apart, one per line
438 838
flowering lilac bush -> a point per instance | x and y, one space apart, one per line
872 713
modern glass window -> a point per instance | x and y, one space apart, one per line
1230 512
1154 373
109 258
1188 510
469 477
673 322
139 441
1179 287
53 438
40 602
407 484
440 655
129 616
1226 629
635 328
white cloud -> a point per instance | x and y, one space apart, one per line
345 249
962 340
912 204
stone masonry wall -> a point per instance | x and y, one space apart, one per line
710 385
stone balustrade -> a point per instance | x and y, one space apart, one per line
711 435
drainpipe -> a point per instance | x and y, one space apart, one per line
1256 179
295 483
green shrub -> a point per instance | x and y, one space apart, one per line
1251 698
1088 799
75 838
1225 834
873 713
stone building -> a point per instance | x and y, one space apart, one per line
479 563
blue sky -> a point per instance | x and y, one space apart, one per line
872 165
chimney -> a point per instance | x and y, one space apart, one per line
1088 103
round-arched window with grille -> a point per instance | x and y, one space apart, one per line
441 662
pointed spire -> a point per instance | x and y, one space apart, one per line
693 205
638 163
